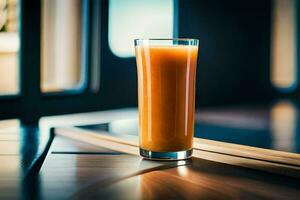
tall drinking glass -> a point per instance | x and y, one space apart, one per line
166 96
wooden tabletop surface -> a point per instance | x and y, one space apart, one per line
80 170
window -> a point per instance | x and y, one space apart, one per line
9 47
283 52
64 27
133 19
61 45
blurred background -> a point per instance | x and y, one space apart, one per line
72 56
247 49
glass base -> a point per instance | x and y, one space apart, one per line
175 155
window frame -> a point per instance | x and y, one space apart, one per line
31 103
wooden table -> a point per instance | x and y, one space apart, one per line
80 170
20 148
77 170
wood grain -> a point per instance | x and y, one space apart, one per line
195 182
210 150
247 151
98 176
70 173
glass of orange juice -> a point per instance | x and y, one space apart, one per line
166 97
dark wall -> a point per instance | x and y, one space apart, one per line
118 81
234 56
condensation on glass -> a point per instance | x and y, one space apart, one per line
9 47
283 49
61 45
132 19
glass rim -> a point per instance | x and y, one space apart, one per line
166 42
166 39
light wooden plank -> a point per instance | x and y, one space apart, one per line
208 145
247 151
131 146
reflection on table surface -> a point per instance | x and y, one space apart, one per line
275 127
20 147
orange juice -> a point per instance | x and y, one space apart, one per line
166 96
